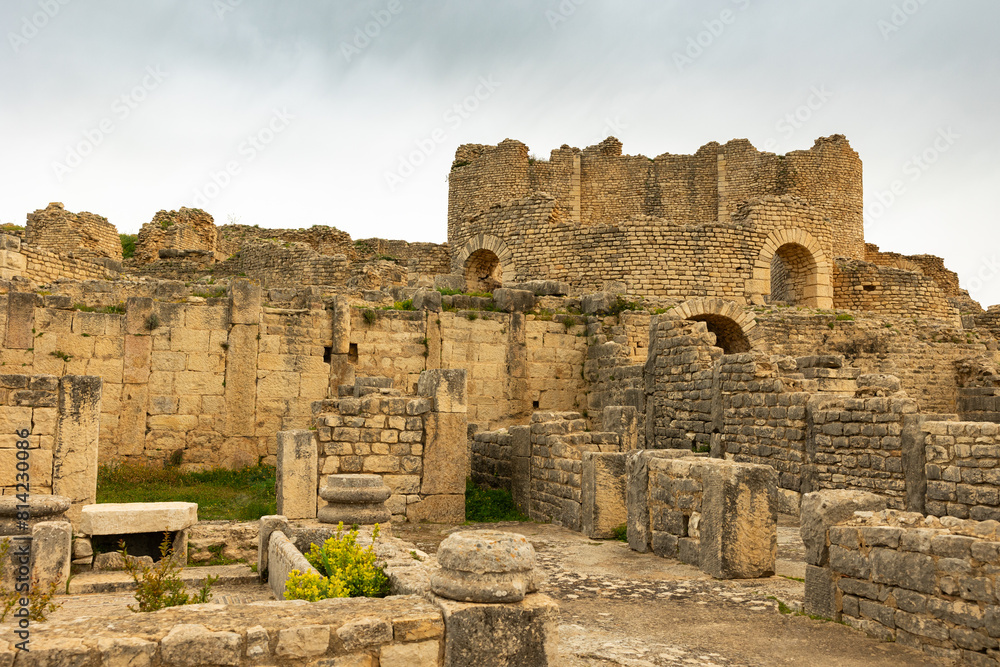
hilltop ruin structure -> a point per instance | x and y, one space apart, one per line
586 307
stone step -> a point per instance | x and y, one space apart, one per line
113 582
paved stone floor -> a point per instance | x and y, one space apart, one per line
623 608
618 607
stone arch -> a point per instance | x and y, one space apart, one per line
486 262
734 327
793 262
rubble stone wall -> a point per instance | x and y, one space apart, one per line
890 291
600 186
558 441
922 582
961 465
82 234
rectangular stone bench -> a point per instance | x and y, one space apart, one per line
141 518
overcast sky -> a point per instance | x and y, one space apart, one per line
288 114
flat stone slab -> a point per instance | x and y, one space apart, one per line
127 518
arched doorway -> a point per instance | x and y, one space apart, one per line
486 263
793 269
728 334
734 327
483 272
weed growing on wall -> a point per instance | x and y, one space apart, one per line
346 570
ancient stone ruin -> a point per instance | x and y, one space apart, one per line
686 348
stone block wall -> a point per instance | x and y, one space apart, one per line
922 353
857 444
961 466
186 229
680 370
17 259
600 186
82 235
919 581
276 263
765 417
890 291
492 459
558 442
61 418
614 366
718 515
416 443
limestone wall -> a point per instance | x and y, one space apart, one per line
276 263
961 460
922 354
858 445
890 291
715 514
679 405
43 266
654 256
919 581
558 441
186 229
416 443
61 418
600 186
492 459
83 235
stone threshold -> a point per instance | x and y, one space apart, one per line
120 581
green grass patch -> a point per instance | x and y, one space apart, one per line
621 533
128 244
844 317
241 495
489 505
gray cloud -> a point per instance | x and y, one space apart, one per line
569 71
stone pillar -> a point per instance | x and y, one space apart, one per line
241 380
298 460
486 591
516 380
51 553
74 456
135 392
602 495
446 462
20 320
520 474
820 511
341 368
241 358
739 521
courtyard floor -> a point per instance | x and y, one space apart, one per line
617 607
